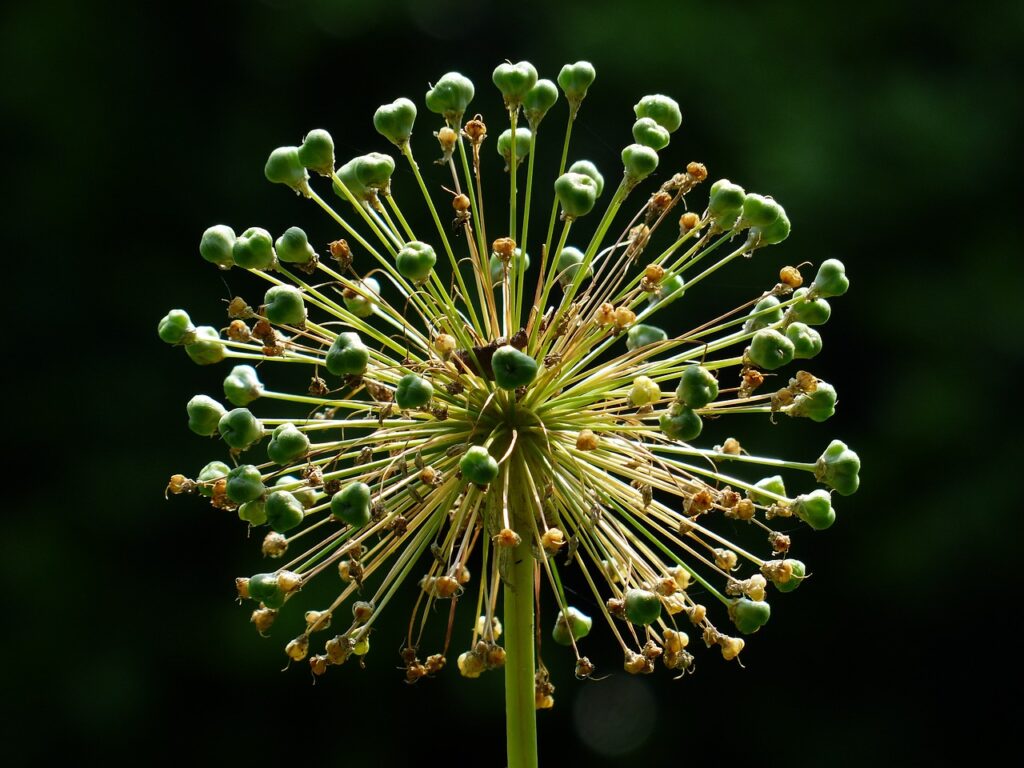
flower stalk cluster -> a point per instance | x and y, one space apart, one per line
484 424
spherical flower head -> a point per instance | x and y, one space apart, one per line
486 432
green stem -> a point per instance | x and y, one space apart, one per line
520 707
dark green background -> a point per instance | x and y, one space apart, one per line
887 132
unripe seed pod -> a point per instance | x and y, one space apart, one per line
206 348
568 266
639 162
293 247
175 327
394 121
514 81
839 468
361 301
645 391
239 428
284 166
649 133
415 261
680 423
831 279
244 483
284 511
504 146
450 97
810 311
478 466
818 405
209 474
217 244
641 335
772 234
765 313
571 625
642 606
664 110
242 386
574 80
774 484
347 356
759 211
725 203
254 249
697 387
287 443
264 587
815 509
317 152
806 341
512 368
770 350
413 391
352 504
204 413
538 100
577 194
587 168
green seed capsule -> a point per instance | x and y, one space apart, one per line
571 625
478 466
210 474
243 385
245 484
512 368
450 97
774 484
643 607
293 247
806 340
207 348
362 304
204 413
641 335
769 349
639 162
374 171
284 511
725 203
568 266
773 234
287 443
415 261
348 175
514 81
347 356
217 244
283 305
394 121
307 496
504 145
587 168
413 391
577 194
813 312
539 100
815 509
317 152
285 167
680 423
769 305
253 512
839 468
254 249
831 279
174 327
239 428
352 504
759 211
664 110
519 262
749 615
264 588
697 387
672 288
646 131
575 80
797 574
818 405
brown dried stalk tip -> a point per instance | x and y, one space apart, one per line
552 540
605 314
180 484
274 545
475 129
263 619
697 171
239 331
586 440
506 537
460 203
446 137
504 248
791 276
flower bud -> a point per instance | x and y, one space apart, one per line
639 162
415 261
642 606
662 109
641 335
207 348
648 132
209 474
749 615
287 443
806 341
254 249
413 391
306 495
680 423
317 152
769 349
242 385
514 81
175 327
362 303
697 387
577 194
239 428
347 356
450 97
504 146
348 176
645 391
512 368
478 466
817 405
815 509
293 247
538 100
808 310
285 167
587 168
769 305
203 415
839 468
284 511
571 625
352 504
394 121
831 279
217 244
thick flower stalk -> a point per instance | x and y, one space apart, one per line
487 425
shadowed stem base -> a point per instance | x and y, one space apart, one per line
520 706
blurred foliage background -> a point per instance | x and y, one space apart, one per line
887 131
